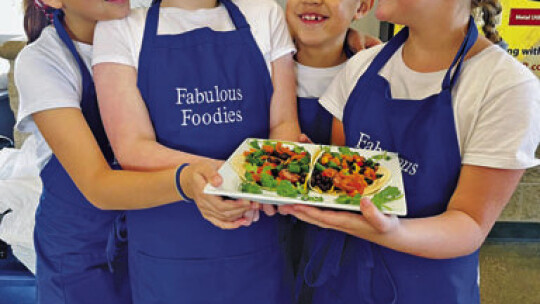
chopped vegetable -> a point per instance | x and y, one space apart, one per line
268 181
255 144
249 187
386 195
348 200
286 189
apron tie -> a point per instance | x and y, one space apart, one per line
367 287
326 258
117 241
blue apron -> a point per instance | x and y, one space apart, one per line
205 91
71 236
316 122
346 269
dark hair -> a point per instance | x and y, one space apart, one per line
34 21
490 9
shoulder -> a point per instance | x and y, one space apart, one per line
136 19
261 11
359 63
43 55
497 70
253 6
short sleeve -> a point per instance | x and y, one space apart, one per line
281 41
507 131
43 84
336 96
113 43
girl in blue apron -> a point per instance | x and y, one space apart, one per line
77 240
201 92
458 171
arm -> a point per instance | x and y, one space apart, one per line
128 124
479 198
338 134
133 140
72 141
283 112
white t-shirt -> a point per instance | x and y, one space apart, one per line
313 82
120 41
496 103
47 77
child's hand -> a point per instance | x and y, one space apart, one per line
223 213
359 41
371 221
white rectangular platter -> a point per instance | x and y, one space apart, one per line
232 182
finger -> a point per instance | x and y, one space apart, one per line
269 210
333 219
256 215
308 219
303 138
284 209
374 216
249 216
209 172
228 225
221 205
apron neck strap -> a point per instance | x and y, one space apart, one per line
466 45
395 43
236 15
64 36
388 50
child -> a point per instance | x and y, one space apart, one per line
319 30
210 75
321 33
462 150
57 103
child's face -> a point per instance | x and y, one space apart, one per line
409 12
318 22
93 10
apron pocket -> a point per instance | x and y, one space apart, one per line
86 279
260 277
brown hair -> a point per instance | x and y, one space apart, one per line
34 21
490 9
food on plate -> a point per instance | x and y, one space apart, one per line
347 173
273 165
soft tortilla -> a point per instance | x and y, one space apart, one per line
377 185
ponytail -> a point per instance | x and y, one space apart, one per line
489 10
35 20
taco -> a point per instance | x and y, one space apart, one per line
347 172
267 163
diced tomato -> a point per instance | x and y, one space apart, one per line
286 175
297 157
324 159
329 172
370 173
256 177
268 148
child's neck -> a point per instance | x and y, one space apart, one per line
427 50
321 56
80 29
190 4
